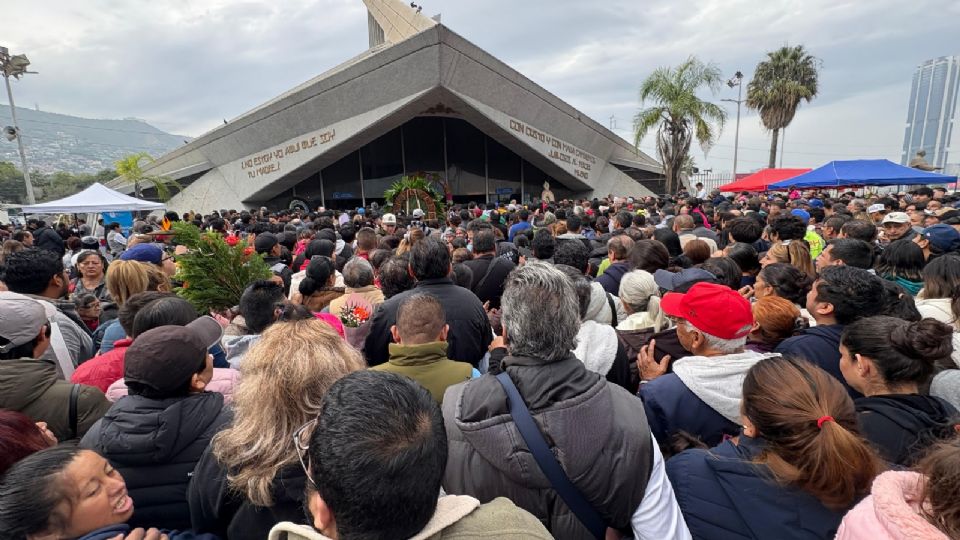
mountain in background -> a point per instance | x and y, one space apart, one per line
59 142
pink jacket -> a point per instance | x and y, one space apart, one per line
224 381
890 512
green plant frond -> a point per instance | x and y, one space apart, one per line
786 77
214 274
646 120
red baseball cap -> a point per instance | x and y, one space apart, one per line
714 309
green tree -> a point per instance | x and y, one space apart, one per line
130 168
788 76
12 189
678 114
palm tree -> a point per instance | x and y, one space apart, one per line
678 115
129 168
787 77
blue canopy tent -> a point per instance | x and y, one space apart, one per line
862 172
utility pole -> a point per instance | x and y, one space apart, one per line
736 80
16 66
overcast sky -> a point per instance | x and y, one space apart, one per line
185 65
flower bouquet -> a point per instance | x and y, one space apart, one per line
355 316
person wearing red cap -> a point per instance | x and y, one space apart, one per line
702 395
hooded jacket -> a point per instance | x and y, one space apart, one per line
237 347
890 512
215 507
701 397
724 495
596 429
33 388
456 516
105 369
155 444
599 308
902 426
939 309
75 334
610 279
602 352
48 239
820 345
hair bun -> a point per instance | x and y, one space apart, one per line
927 340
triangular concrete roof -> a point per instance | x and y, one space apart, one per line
434 71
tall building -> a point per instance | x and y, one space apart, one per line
932 113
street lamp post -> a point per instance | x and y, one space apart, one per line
15 66
736 80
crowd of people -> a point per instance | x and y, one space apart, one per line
751 366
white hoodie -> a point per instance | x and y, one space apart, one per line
596 346
718 380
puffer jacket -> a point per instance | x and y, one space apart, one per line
725 495
598 431
218 508
32 387
104 369
891 512
155 445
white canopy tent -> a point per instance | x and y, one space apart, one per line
95 199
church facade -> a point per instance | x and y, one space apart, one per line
421 101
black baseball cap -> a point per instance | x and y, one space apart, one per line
164 358
265 242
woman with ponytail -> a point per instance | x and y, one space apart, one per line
888 360
798 466
317 289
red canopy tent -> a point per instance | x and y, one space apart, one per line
759 181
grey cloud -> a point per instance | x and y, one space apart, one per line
186 65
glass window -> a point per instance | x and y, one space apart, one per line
465 158
423 144
382 164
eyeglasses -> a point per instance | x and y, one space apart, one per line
301 440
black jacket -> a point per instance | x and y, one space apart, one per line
278 267
469 335
491 288
610 279
155 444
902 426
48 239
820 345
724 494
218 509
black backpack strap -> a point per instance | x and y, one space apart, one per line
74 396
486 274
576 502
613 310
